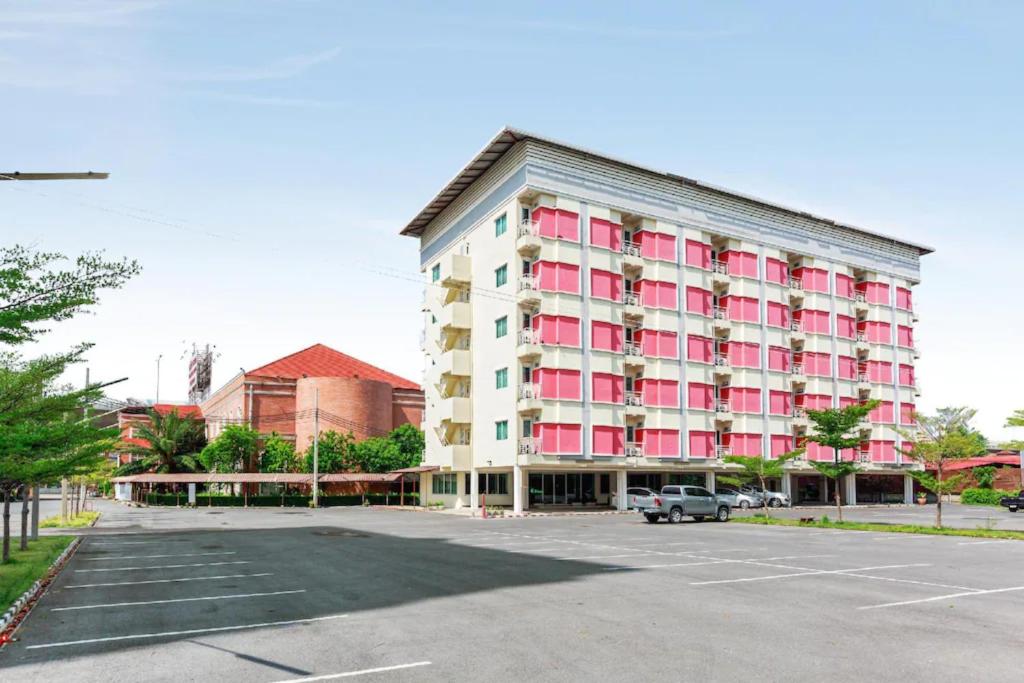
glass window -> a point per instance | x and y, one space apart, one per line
500 225
500 276
501 326
670 490
444 484
435 273
501 378
493 484
501 430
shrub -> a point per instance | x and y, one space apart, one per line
204 500
983 496
985 476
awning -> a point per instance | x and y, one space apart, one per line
418 469
363 477
218 478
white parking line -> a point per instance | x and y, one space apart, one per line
945 597
361 672
162 602
715 560
192 578
1001 540
163 566
150 557
914 581
139 636
168 540
810 572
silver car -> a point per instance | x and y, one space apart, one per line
776 499
740 499
634 492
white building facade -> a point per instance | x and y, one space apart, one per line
592 325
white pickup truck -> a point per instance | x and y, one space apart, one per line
676 502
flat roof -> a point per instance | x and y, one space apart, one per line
508 136
84 175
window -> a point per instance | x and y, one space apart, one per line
435 272
846 327
776 271
659 393
501 430
741 263
699 349
905 336
606 336
608 388
656 245
844 286
700 396
658 343
904 299
558 384
500 225
780 403
779 358
493 484
778 315
500 276
558 224
780 444
654 294
559 330
698 301
702 444
698 254
501 378
812 279
847 367
659 442
605 234
609 440
501 326
814 322
605 285
741 354
557 277
558 438
444 484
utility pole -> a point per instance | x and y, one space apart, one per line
158 377
316 443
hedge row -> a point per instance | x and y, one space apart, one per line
290 501
983 496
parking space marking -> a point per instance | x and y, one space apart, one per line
950 596
1000 540
168 540
806 572
189 632
151 557
191 578
361 672
238 596
162 566
719 560
914 581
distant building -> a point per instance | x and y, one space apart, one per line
279 397
132 417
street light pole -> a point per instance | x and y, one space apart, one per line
316 442
158 377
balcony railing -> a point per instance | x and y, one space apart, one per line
863 378
461 296
720 267
634 398
463 344
722 407
630 299
529 446
721 361
796 369
722 451
863 455
529 390
528 227
634 450
633 349
796 283
799 413
860 298
862 338
631 249
529 337
526 282
796 326
721 313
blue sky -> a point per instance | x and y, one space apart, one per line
261 151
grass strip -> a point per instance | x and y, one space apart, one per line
80 520
25 567
888 528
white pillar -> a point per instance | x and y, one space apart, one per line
620 489
711 481
787 485
192 494
517 489
908 489
474 490
850 492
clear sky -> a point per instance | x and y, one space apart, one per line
260 152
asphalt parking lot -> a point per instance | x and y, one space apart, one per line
287 595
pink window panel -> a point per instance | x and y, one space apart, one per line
743 444
883 413
780 403
557 277
904 299
778 315
814 401
818 364
741 263
847 367
815 322
659 393
846 327
655 294
742 354
812 279
698 301
700 396
847 401
698 254
699 349
882 451
905 336
702 444
906 375
879 371
780 444
557 223
874 292
779 358
877 332
741 308
662 443
609 388
606 336
776 271
605 234
559 330
558 384
744 399
605 285
658 343
907 413
844 286
557 439
609 440
657 245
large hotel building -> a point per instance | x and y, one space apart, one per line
591 324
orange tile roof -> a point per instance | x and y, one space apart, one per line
182 410
323 361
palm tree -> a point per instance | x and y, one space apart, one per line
173 443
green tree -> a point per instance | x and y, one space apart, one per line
985 476
278 455
837 428
378 454
410 442
334 454
759 469
1016 419
940 440
173 442
234 450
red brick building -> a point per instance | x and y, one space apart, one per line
279 397
130 418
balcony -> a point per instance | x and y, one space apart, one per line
796 288
455 363
720 272
861 343
529 446
634 404
863 380
634 355
529 398
722 452
796 374
456 410
634 449
528 238
457 315
632 257
917 388
529 291
722 366
528 344
721 322
456 270
723 413
860 303
800 417
631 305
796 331
863 456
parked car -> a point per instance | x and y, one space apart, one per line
676 502
776 499
634 492
1013 503
740 499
